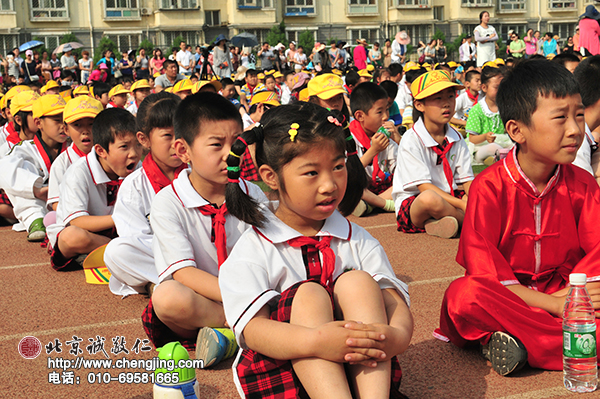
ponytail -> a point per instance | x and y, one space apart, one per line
240 204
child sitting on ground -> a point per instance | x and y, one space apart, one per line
252 86
311 270
27 167
466 101
140 90
193 232
118 97
484 127
433 159
89 190
377 150
531 221
129 257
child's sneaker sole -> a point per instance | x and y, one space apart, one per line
506 353
208 346
36 236
446 227
361 209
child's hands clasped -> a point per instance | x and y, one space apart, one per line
379 142
490 137
388 343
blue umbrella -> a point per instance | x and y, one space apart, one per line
30 45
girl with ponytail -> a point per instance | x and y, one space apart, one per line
306 291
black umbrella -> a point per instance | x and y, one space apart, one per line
244 39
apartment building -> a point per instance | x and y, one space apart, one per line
127 22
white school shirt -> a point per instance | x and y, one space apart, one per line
57 172
386 158
248 121
417 163
182 234
464 105
133 108
22 169
584 154
248 283
82 193
404 96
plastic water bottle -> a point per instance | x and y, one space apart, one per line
173 382
580 365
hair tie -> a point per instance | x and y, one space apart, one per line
233 180
233 168
293 131
349 138
234 154
334 120
349 154
347 126
243 141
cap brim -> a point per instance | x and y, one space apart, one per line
436 88
79 115
326 95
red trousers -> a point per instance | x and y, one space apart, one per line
474 307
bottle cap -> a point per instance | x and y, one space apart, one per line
174 352
577 278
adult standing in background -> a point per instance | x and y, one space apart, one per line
485 37
387 53
589 32
67 60
360 54
142 71
156 63
266 57
290 55
184 60
517 46
469 52
530 43
576 40
221 59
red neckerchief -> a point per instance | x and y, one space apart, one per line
13 135
45 156
218 235
442 150
112 189
328 263
251 88
365 142
78 151
157 178
347 89
473 98
115 105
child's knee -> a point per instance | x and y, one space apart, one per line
354 280
170 299
73 238
431 201
310 291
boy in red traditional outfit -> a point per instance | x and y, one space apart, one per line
531 221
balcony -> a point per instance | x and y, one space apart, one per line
412 4
300 8
512 6
362 7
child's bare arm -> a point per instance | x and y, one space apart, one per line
286 341
455 202
379 142
480 138
458 122
93 224
200 281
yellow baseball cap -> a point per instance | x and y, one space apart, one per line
265 97
278 75
118 89
169 89
410 64
364 73
140 84
51 84
326 86
303 95
453 64
156 75
201 83
23 101
48 105
336 72
499 61
261 75
83 89
431 83
551 56
182 85
370 67
490 64
271 72
81 107
16 90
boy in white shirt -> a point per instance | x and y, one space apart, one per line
193 233
27 167
89 190
140 90
129 257
466 100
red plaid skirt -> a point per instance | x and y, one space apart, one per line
248 169
405 224
4 198
159 333
263 377
380 187
58 260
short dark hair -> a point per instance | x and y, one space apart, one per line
413 74
111 123
100 88
489 72
202 107
251 72
587 76
391 88
395 69
365 95
168 63
226 82
470 74
518 93
156 111
352 78
563 58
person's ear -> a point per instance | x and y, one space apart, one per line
419 105
269 176
143 139
102 153
360 115
515 130
182 150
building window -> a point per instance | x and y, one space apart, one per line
411 3
557 5
468 29
362 7
564 30
6 5
299 8
212 18
250 4
294 35
51 42
370 35
438 13
8 42
122 9
125 42
190 37
417 33
178 4
477 3
519 29
512 5
48 9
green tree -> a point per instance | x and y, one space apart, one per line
277 35
146 45
68 38
105 44
176 42
42 48
439 35
307 41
